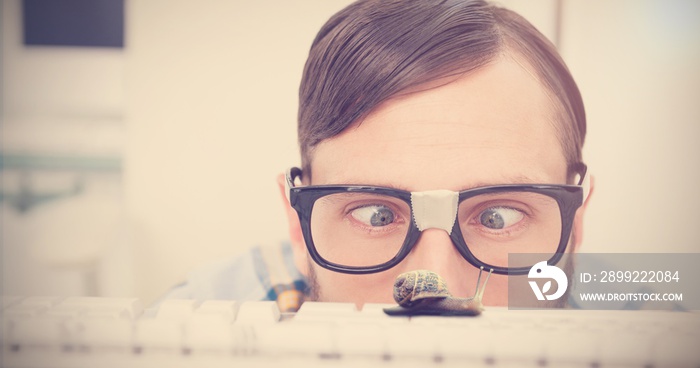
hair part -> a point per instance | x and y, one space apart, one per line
374 50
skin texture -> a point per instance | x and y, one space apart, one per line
491 126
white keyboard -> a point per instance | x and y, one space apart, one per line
106 332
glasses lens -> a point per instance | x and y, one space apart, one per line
496 224
359 229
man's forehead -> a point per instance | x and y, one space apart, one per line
507 77
493 126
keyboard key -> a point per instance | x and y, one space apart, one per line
579 347
318 311
312 338
258 312
37 331
176 309
465 344
158 334
106 333
364 339
526 346
41 301
10 300
677 350
104 307
19 311
625 347
411 341
219 310
209 334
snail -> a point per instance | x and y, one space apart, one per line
423 292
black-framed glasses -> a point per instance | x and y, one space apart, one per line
361 229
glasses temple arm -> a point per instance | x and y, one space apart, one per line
585 184
290 176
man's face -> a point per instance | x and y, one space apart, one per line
493 126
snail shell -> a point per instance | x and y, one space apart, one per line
423 292
412 287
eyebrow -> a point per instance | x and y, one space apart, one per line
375 184
517 179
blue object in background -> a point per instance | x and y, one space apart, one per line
91 23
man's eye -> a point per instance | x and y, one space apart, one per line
500 217
374 215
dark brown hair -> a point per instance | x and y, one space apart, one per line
374 49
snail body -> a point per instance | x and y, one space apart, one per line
423 292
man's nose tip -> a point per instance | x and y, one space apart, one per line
435 238
434 251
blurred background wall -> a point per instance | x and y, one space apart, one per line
125 167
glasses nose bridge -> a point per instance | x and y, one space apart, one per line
435 209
